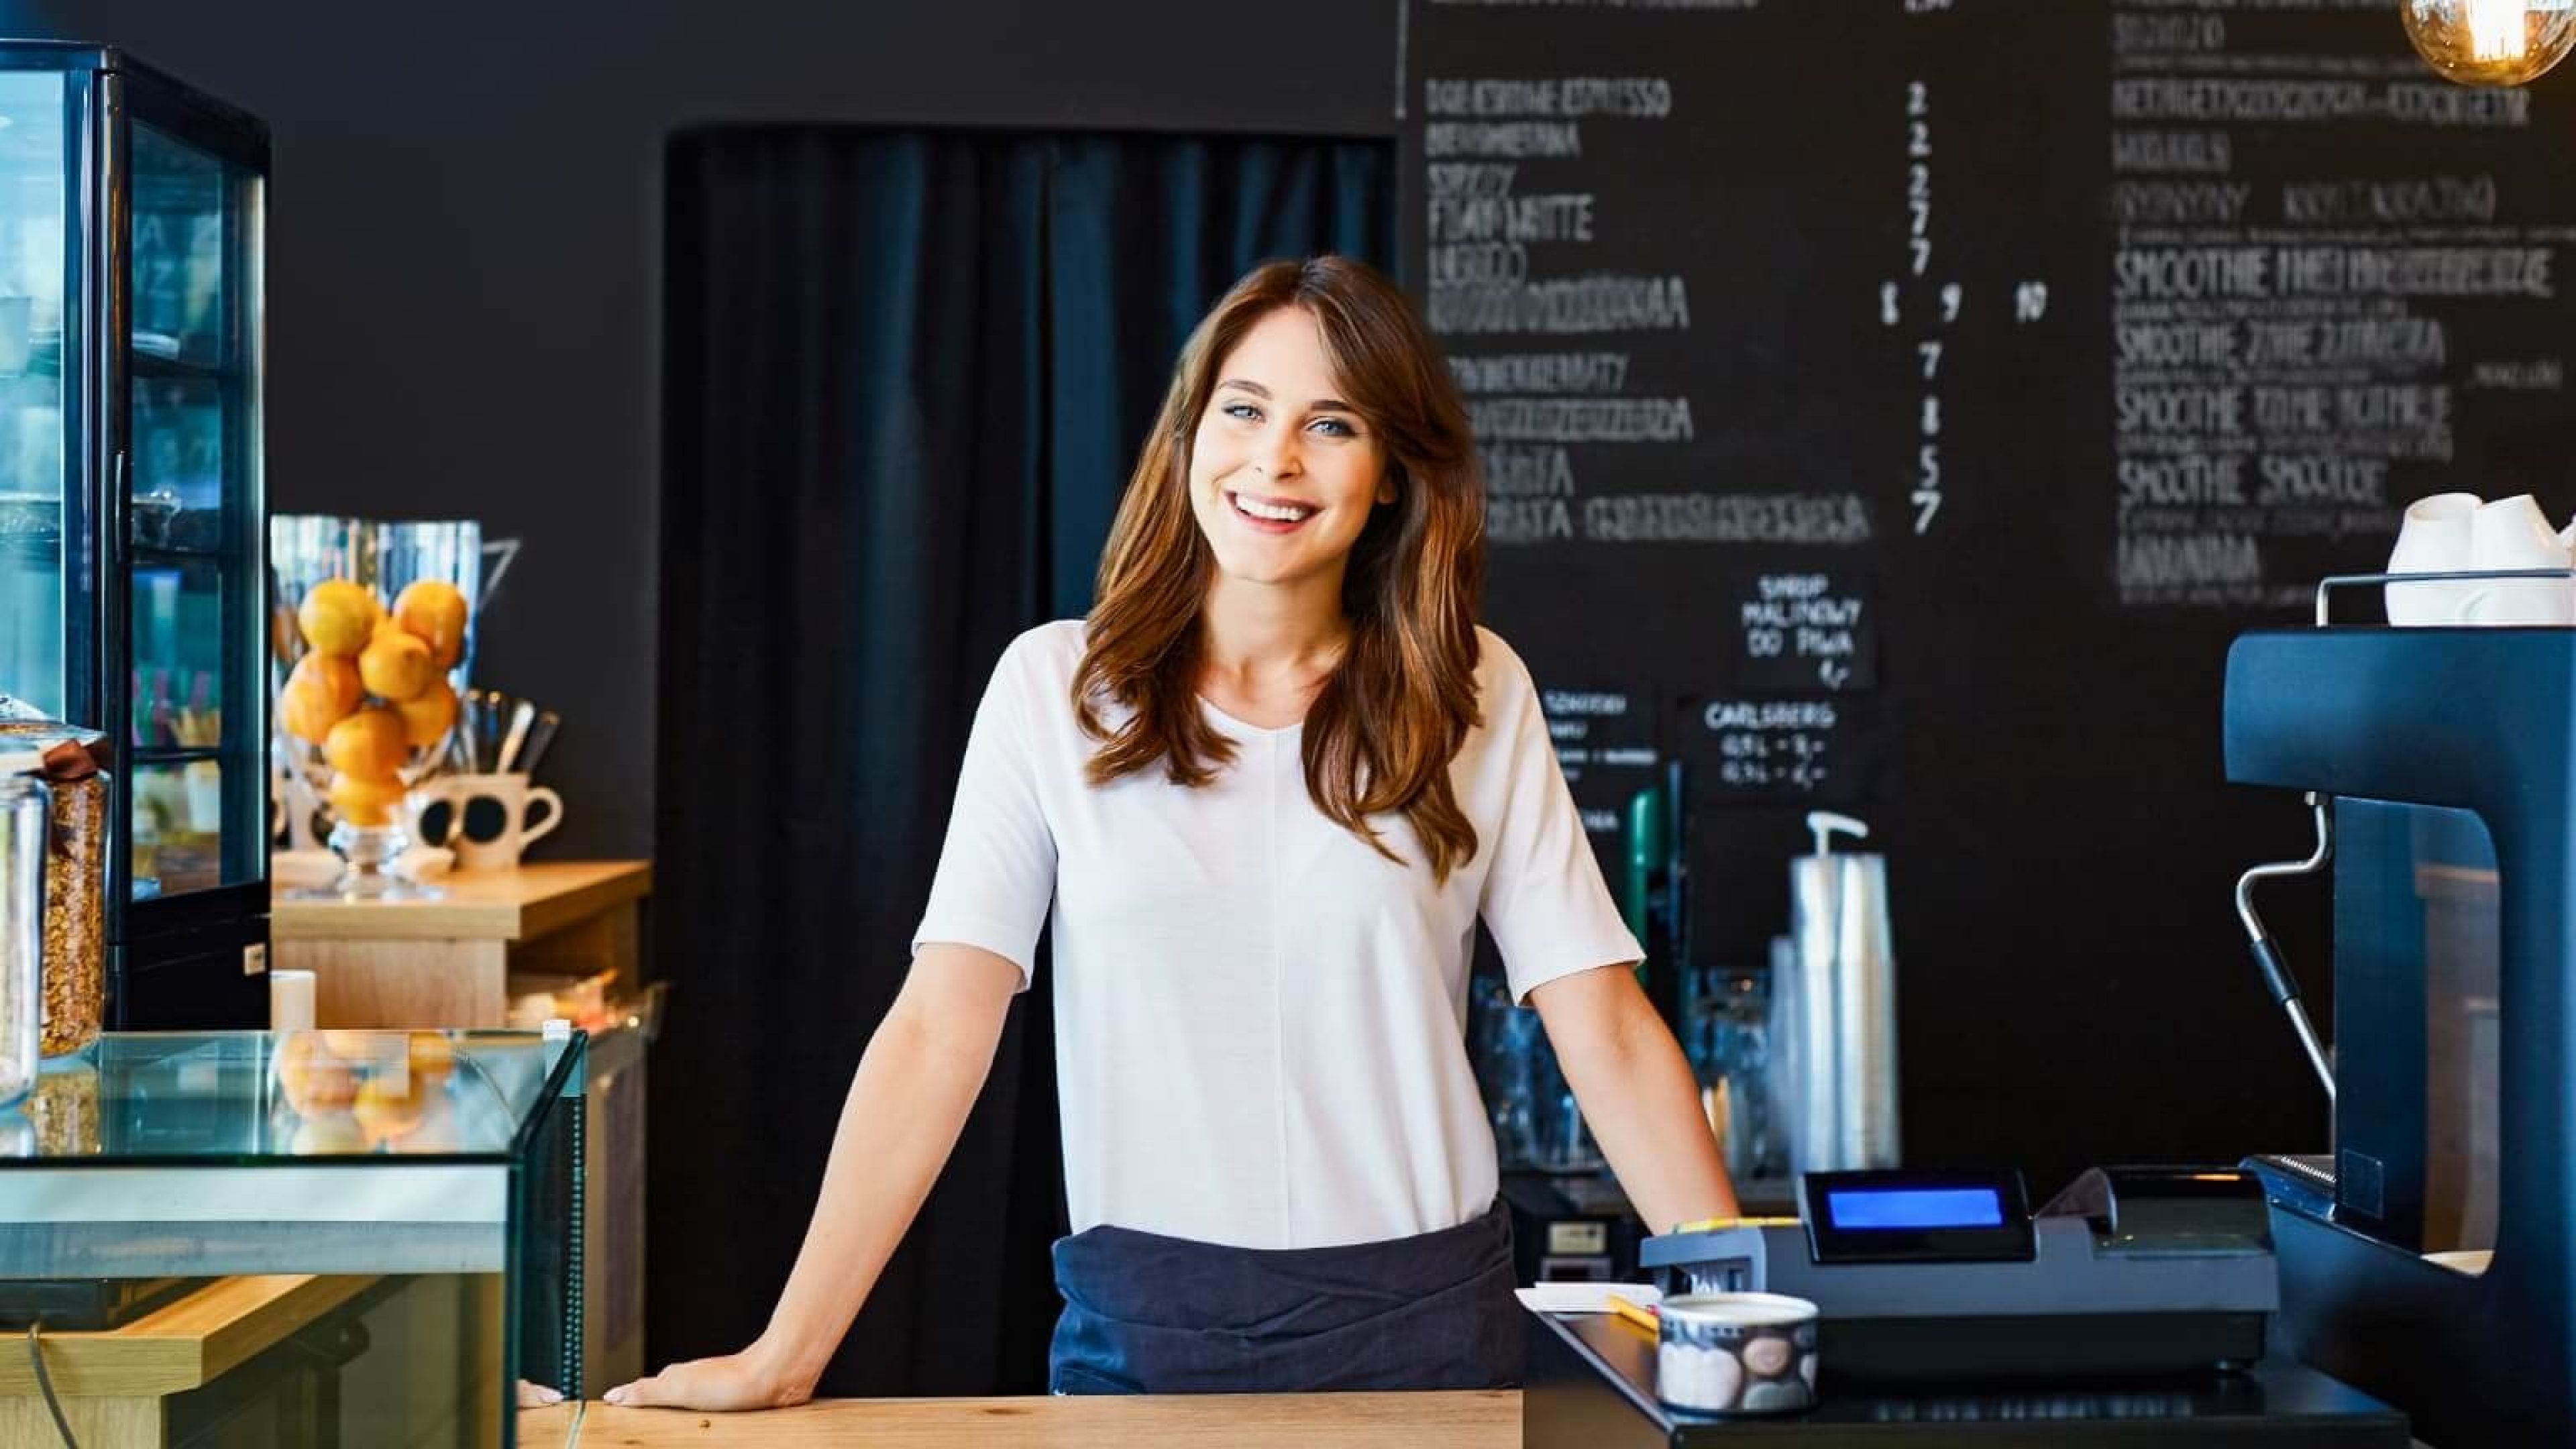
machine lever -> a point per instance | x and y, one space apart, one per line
2267 954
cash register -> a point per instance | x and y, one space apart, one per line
1950 1313
1942 1276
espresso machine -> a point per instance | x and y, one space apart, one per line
2430 1258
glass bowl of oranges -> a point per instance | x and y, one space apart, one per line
366 710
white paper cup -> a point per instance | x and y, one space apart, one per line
2512 533
1736 1353
2434 539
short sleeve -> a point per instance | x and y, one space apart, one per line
997 868
1544 900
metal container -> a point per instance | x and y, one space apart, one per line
26 830
1843 1015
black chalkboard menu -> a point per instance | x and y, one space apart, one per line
1895 406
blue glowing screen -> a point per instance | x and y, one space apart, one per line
1915 1207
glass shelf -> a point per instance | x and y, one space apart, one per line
152 365
303 1152
155 556
177 757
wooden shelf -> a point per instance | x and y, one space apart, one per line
182 1345
513 905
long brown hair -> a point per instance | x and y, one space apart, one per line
1383 728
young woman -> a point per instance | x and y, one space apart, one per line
1266 790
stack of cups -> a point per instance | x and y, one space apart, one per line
2461 533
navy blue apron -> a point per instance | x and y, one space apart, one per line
1156 1315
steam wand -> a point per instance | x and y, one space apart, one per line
2267 954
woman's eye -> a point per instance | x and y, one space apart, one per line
1243 411
1335 428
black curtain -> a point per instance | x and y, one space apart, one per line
905 377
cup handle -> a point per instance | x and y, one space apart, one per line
530 832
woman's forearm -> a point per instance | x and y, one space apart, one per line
907 1104
1639 1097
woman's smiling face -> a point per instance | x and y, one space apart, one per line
1283 473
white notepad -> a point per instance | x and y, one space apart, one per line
1585 1297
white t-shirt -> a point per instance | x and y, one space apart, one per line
1259 1021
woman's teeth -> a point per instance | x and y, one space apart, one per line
1271 512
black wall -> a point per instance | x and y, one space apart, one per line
466 238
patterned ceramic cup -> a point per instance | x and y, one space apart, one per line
1737 1353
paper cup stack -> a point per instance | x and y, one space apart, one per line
2463 533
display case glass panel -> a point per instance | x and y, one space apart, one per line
34 266
432 1180
190 494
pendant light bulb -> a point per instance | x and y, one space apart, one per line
2490 42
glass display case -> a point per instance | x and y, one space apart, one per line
302 1238
132 582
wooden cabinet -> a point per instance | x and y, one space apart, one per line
448 962
452 962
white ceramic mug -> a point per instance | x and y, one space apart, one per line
2512 533
1736 1353
2434 539
487 821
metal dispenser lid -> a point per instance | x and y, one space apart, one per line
26 732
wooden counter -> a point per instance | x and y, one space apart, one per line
1484 1420
522 904
447 962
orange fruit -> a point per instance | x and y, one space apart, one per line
338 616
310 1076
327 1134
368 744
362 801
431 1053
426 719
386 1109
360 1046
434 612
396 666
312 703
335 676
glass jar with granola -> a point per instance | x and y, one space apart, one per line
74 974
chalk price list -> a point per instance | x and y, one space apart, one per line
2295 346
1902 300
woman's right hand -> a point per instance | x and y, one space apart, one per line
736 1381
908 1100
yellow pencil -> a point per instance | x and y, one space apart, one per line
1711 1225
1636 1313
